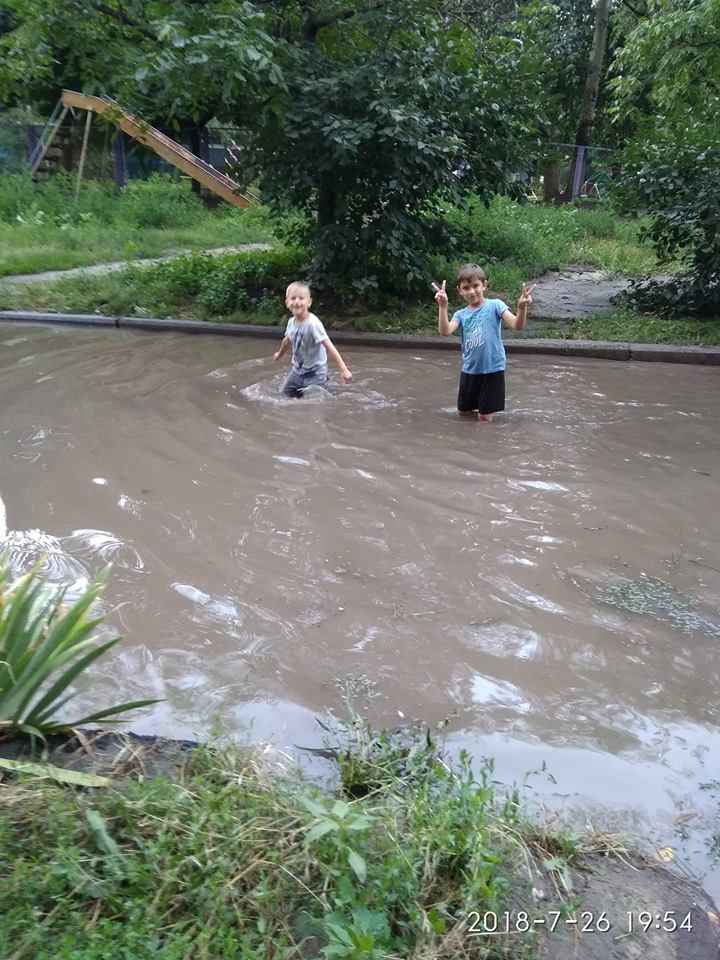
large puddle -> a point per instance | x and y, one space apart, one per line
549 582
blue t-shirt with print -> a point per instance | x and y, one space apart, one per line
481 337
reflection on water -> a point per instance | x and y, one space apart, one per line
550 580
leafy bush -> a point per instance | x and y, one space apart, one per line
239 281
678 188
43 649
682 295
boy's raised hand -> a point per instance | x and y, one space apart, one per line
526 296
440 293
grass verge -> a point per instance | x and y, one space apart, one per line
514 241
236 861
45 228
628 327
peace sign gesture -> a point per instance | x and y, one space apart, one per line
440 294
526 296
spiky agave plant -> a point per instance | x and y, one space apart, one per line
44 647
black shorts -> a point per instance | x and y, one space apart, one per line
484 392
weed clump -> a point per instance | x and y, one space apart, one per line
236 860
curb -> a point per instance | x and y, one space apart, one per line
594 349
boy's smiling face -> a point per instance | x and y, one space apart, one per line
298 302
473 291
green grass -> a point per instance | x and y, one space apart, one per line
32 249
517 241
42 228
236 861
514 242
627 326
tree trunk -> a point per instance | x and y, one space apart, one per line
592 86
326 201
551 181
196 148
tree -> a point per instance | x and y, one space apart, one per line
666 80
373 109
557 38
359 112
592 86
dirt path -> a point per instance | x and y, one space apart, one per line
97 269
633 909
574 293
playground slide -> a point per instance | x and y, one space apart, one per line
168 149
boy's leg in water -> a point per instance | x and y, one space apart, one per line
491 397
314 379
293 385
467 403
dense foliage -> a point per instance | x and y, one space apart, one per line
371 118
359 114
667 81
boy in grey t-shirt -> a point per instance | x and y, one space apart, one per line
310 345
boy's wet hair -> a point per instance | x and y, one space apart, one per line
470 271
297 285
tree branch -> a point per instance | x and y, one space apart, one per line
126 19
314 24
638 13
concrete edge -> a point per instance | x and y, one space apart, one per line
594 349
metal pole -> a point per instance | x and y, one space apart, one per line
83 151
31 139
579 171
119 169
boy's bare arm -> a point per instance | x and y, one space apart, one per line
335 354
445 326
518 322
283 349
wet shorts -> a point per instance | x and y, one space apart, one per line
484 392
297 382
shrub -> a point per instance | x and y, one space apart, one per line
239 281
43 649
678 188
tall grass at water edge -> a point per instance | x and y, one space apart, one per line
237 860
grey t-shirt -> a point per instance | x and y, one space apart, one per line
308 353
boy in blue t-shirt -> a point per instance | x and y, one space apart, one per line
482 380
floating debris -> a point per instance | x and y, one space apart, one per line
354 686
654 597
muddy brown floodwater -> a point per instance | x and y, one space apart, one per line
550 582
